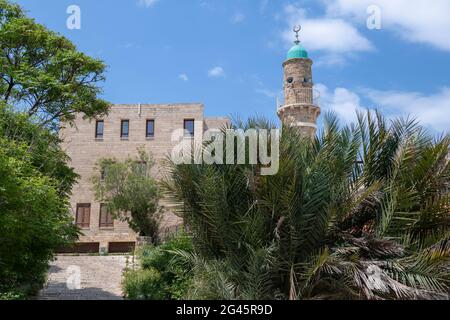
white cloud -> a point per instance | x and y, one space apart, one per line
333 37
147 3
419 21
183 77
237 18
266 92
259 86
331 59
216 72
342 101
431 110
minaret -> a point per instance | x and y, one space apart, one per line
300 108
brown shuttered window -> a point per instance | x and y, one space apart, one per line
83 217
106 218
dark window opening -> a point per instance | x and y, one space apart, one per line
83 217
150 129
290 80
121 247
99 129
106 218
81 248
189 127
125 129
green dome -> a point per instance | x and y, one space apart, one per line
297 51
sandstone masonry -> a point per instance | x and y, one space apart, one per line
85 150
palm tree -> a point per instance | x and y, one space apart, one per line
359 212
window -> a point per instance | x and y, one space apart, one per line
189 127
290 80
150 129
106 218
99 128
83 217
125 129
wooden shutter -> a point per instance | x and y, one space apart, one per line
87 217
83 218
109 219
102 216
106 219
80 213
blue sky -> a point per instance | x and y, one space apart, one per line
228 54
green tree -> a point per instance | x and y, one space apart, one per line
131 193
44 81
34 217
359 212
43 74
44 147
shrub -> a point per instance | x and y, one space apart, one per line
143 284
12 295
174 279
161 256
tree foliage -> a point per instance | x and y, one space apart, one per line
44 81
130 192
43 74
174 277
359 212
34 216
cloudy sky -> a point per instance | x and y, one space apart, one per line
228 53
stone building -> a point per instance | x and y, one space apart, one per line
300 107
130 127
119 135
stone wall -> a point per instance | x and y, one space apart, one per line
85 151
300 108
300 71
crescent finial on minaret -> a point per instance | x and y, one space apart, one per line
297 29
